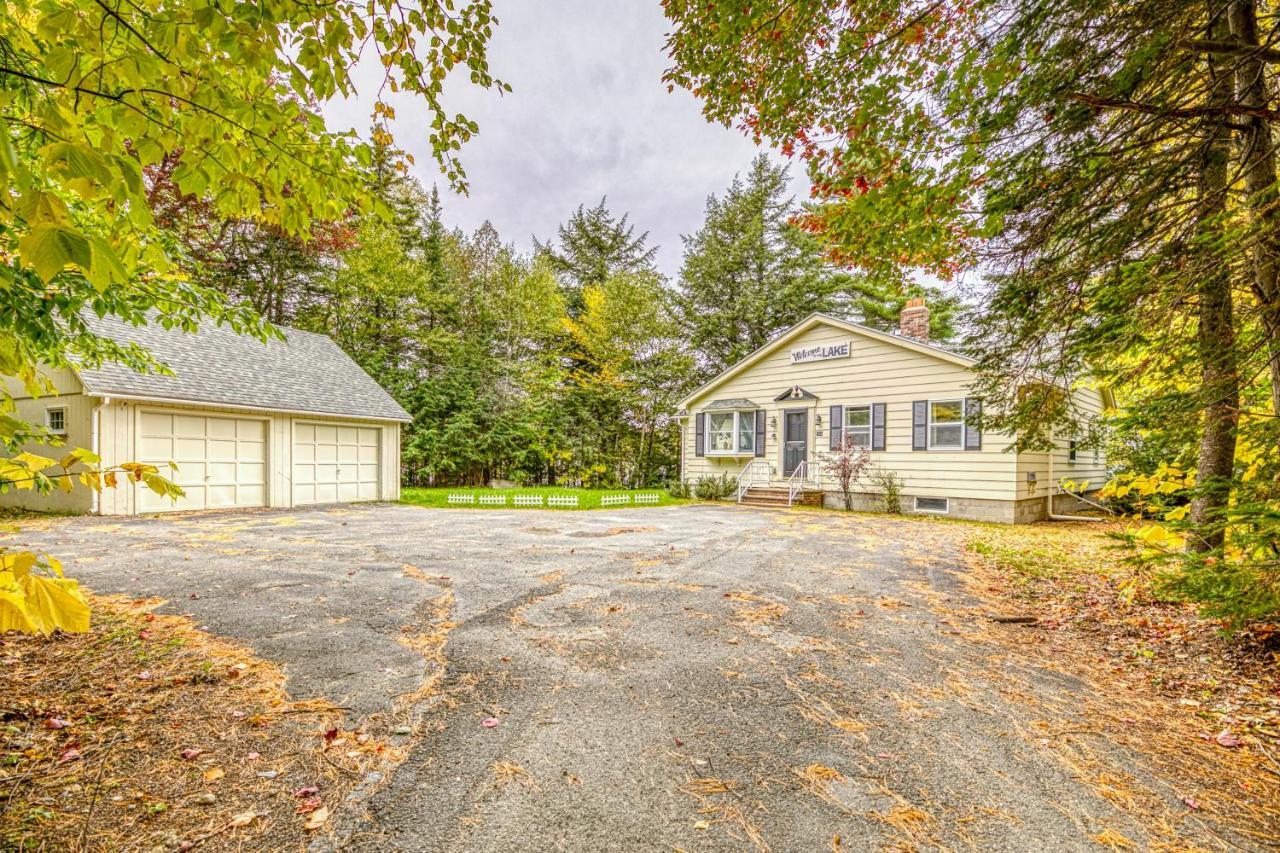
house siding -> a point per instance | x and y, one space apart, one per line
984 484
1086 467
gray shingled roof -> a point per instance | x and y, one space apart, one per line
305 372
735 403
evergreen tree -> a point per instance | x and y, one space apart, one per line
593 245
749 273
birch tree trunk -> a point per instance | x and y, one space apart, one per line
1216 334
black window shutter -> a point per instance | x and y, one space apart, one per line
920 425
877 426
835 428
972 433
700 434
759 432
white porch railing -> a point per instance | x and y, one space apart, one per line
795 483
748 477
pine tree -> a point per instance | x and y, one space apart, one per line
749 273
592 246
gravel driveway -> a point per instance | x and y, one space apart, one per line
682 678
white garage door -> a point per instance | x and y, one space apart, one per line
222 461
333 463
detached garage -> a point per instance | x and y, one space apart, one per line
247 424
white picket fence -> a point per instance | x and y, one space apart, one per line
464 499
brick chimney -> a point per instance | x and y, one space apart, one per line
914 320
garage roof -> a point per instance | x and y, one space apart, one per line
305 373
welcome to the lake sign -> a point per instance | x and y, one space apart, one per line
820 353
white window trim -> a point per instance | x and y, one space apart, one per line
945 511
929 424
48 418
737 432
871 422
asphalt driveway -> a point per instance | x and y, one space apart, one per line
682 678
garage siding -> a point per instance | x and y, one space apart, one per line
123 431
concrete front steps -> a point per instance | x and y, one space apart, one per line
776 496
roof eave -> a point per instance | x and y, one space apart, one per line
218 404
807 323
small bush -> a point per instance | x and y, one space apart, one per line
889 485
679 489
715 488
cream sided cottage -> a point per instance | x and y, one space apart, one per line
248 424
772 420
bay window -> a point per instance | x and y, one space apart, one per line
946 425
731 433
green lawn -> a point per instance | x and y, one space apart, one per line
587 498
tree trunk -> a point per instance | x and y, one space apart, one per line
1216 335
1258 163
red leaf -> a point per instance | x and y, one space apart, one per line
489 722
308 791
69 755
1227 739
56 723
192 753
144 634
331 735
309 805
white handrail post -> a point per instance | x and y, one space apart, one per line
795 483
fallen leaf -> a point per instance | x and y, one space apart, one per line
144 634
191 753
309 805
1227 739
244 818
489 722
56 723
213 774
317 819
69 755
308 791
702 824
253 756
1190 803
331 735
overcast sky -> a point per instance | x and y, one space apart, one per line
589 116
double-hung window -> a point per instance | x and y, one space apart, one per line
56 420
855 428
946 424
731 433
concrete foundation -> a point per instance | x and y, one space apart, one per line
970 509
